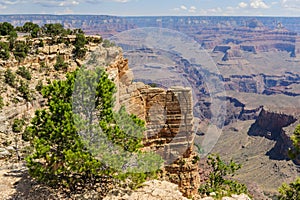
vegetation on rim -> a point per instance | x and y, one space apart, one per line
61 156
217 182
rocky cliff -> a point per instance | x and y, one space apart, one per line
277 127
168 113
169 119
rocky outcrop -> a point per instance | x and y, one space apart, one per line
221 48
169 121
271 126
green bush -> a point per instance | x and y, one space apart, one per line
18 125
25 91
217 182
6 28
54 30
4 51
295 151
10 78
62 156
31 28
60 63
12 39
25 73
41 43
80 41
39 86
107 43
21 50
44 68
290 191
1 103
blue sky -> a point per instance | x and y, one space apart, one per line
153 7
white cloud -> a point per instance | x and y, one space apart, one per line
258 4
69 3
243 5
192 9
183 7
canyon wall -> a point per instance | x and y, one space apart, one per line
169 120
278 127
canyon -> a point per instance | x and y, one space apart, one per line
227 85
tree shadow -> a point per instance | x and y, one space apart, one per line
28 189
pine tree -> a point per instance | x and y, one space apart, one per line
79 140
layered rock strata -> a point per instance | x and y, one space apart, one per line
169 119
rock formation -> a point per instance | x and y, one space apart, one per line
168 113
278 127
169 121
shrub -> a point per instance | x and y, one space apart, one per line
54 30
41 43
21 50
217 182
10 78
4 51
295 151
25 91
290 191
6 28
44 68
12 39
80 41
25 73
60 63
18 125
107 43
31 28
1 103
39 86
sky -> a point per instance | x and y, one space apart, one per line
154 7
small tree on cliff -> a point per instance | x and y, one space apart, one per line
80 41
61 136
293 153
217 182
